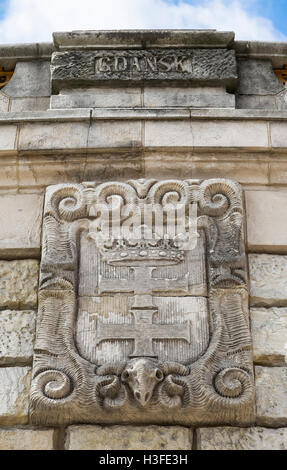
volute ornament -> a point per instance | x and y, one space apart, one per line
143 312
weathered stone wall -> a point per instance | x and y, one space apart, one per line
268 313
137 138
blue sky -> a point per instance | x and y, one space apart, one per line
35 20
3 6
276 11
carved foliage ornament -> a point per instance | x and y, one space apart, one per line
143 328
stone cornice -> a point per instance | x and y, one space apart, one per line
10 54
142 39
86 114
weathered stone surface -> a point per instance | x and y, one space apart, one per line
30 79
14 393
134 323
20 234
128 438
17 331
266 221
171 163
53 136
278 135
274 51
84 68
271 393
142 39
256 77
26 439
281 100
256 102
197 97
228 438
266 102
18 284
269 334
4 102
278 174
111 134
97 97
8 173
7 138
11 54
34 103
202 134
268 280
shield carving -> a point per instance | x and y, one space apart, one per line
143 305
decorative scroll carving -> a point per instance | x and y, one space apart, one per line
142 329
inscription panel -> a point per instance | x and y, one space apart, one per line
83 68
148 324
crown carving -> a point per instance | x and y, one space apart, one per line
132 251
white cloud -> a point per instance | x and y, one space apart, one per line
35 20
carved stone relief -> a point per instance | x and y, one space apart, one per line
195 66
143 329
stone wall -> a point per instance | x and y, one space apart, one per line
20 238
40 148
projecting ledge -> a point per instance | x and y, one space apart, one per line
85 114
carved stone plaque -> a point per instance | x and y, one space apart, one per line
152 327
194 66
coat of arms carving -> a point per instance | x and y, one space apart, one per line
143 305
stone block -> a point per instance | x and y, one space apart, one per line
268 280
269 333
30 79
278 173
97 97
17 331
7 138
230 134
271 393
86 68
266 221
21 232
38 171
53 136
281 100
26 439
14 394
256 77
8 173
168 134
203 134
278 131
4 103
37 103
18 284
197 97
182 164
229 438
109 167
128 438
142 39
256 102
105 134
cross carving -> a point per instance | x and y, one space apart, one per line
143 331
143 283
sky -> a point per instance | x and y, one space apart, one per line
35 20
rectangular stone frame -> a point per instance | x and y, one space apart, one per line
217 388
